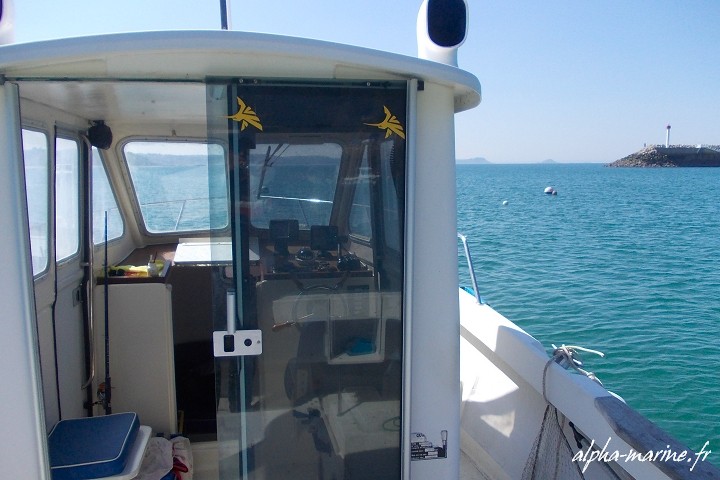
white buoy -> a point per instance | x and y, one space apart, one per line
505 202
550 191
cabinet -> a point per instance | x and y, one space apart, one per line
141 351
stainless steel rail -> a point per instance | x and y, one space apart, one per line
468 257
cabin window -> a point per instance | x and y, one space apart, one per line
67 198
104 202
172 185
294 181
393 189
359 221
390 187
35 154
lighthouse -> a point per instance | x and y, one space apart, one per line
667 136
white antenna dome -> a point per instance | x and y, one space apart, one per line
7 22
441 28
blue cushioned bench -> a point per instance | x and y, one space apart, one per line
97 447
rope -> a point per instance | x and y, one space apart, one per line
551 454
567 356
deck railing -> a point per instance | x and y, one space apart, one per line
468 258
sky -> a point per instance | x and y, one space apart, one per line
567 80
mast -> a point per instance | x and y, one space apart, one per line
225 14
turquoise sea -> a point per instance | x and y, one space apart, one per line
625 261
622 260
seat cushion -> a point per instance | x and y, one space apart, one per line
93 447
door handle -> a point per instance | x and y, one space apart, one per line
236 343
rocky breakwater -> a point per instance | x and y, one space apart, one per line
673 156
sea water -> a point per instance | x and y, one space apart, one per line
621 260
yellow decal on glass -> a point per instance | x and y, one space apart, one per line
246 116
391 125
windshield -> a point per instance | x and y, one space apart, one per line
294 181
171 181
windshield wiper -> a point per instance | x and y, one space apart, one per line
266 163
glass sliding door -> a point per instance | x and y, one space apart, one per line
308 279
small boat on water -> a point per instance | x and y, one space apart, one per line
249 240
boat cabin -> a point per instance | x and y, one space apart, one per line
250 241
245 239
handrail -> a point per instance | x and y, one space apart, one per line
644 436
468 257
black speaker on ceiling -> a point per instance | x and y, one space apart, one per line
100 135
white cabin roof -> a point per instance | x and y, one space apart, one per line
197 55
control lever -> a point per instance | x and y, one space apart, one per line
232 342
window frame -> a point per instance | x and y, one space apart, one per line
133 194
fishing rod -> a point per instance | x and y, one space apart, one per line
107 394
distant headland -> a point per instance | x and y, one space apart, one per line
472 161
672 156
485 161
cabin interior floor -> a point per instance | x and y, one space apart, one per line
291 455
293 444
206 457
286 450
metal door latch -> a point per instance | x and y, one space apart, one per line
232 342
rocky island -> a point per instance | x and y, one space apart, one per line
672 156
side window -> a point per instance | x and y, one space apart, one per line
359 222
35 154
67 198
393 194
104 201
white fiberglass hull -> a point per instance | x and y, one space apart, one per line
503 373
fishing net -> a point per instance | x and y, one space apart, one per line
551 455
